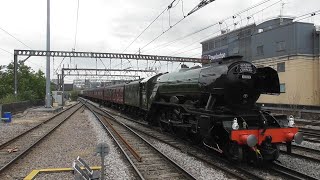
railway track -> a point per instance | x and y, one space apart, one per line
20 145
199 154
303 152
146 160
276 168
311 135
288 172
202 156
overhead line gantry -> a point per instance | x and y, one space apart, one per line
29 53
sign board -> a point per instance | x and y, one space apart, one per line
102 149
216 55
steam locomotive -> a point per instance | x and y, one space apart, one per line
213 105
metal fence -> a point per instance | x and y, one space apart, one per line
19 106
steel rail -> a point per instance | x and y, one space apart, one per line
131 149
114 139
315 151
176 165
214 165
290 173
38 125
301 156
23 153
285 171
248 174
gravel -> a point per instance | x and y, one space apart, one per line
73 138
196 167
116 168
312 127
309 145
20 123
301 165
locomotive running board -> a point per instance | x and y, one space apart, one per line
194 111
177 123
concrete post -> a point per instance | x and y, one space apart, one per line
15 71
48 96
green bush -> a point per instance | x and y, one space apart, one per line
74 95
9 98
31 84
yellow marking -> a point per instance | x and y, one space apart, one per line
34 173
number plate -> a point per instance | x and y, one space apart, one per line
246 77
246 68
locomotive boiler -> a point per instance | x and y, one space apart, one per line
214 105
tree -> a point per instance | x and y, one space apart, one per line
31 84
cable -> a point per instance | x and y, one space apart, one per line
301 17
59 65
15 38
207 27
6 51
295 20
186 51
148 26
75 36
200 5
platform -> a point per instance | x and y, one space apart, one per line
47 110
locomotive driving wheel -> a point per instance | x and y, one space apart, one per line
167 118
163 121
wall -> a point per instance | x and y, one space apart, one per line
301 78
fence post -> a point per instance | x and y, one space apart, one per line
0 111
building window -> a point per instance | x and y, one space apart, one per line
282 87
211 45
235 50
217 43
224 41
260 50
281 46
281 67
205 47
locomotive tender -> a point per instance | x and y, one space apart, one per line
214 105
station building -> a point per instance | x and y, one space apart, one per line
290 47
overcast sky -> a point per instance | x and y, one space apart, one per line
110 26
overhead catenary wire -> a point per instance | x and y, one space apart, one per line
298 18
216 23
76 32
200 5
148 26
6 51
203 38
171 42
15 38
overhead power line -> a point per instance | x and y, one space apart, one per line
207 27
6 51
149 26
199 6
15 38
75 35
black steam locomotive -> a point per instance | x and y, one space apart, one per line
214 105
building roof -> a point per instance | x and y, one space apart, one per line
285 19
